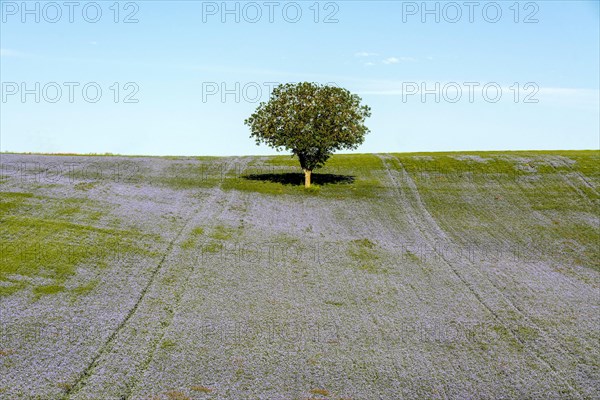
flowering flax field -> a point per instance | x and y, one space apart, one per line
421 275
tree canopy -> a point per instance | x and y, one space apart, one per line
310 120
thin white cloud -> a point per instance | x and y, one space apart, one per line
365 54
391 60
396 60
369 64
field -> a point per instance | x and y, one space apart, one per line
422 275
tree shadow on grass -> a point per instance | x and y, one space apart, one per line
291 178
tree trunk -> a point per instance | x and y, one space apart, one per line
307 173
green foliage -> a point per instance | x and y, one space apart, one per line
48 289
191 242
10 200
350 176
46 237
222 233
364 253
198 231
167 344
310 120
86 288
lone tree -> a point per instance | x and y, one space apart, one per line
312 121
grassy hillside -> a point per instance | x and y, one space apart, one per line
421 275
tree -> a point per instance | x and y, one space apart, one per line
312 121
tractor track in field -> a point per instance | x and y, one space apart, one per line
427 220
80 383
214 199
572 184
427 361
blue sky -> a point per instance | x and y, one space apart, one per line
180 55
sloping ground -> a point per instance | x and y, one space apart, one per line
471 275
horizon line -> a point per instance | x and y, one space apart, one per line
109 154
